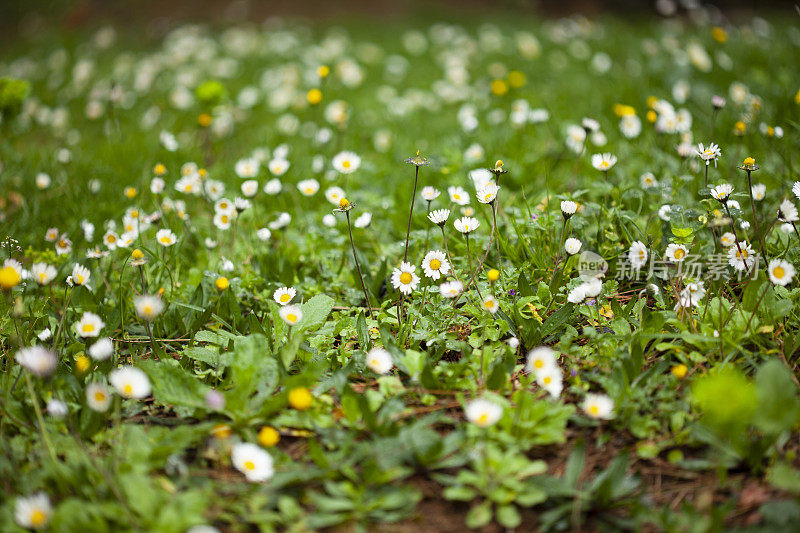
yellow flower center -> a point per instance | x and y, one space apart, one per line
594 410
547 380
405 278
291 317
88 328
435 264
127 389
778 272
147 310
79 279
488 197
488 304
249 465
41 277
38 518
483 419
165 239
111 239
99 396
679 253
346 163
539 363
285 297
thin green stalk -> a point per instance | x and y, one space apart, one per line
39 417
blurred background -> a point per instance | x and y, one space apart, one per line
27 17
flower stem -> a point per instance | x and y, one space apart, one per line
411 211
755 218
39 417
358 268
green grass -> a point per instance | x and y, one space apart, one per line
707 393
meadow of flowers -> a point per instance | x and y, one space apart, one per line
426 276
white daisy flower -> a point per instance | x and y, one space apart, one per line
780 272
740 260
648 180
550 379
483 413
44 335
51 235
284 295
404 279
540 358
664 211
224 205
676 253
379 361
488 193
334 194
37 360
33 512
148 306
637 255
572 245
43 273
363 220
435 264
130 382
165 237
346 162
439 216
308 187
604 162
273 187
63 245
291 314
787 212
247 168
102 349
727 239
759 191
80 275
630 126
451 289
430 193
252 461
709 153
458 195
249 188
57 408
691 295
223 220
97 397
89 325
466 224
278 166
568 208
491 304
598 406
577 295
722 192
263 234
282 221
214 189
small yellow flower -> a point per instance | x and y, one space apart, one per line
516 79
300 398
719 34
499 87
623 110
493 275
739 128
202 172
652 116
81 363
9 278
268 436
130 192
749 163
344 203
222 431
323 71
679 371
137 255
159 169
204 120
222 283
314 96
797 97
651 101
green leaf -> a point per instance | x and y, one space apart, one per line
480 515
172 385
778 404
508 516
315 311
